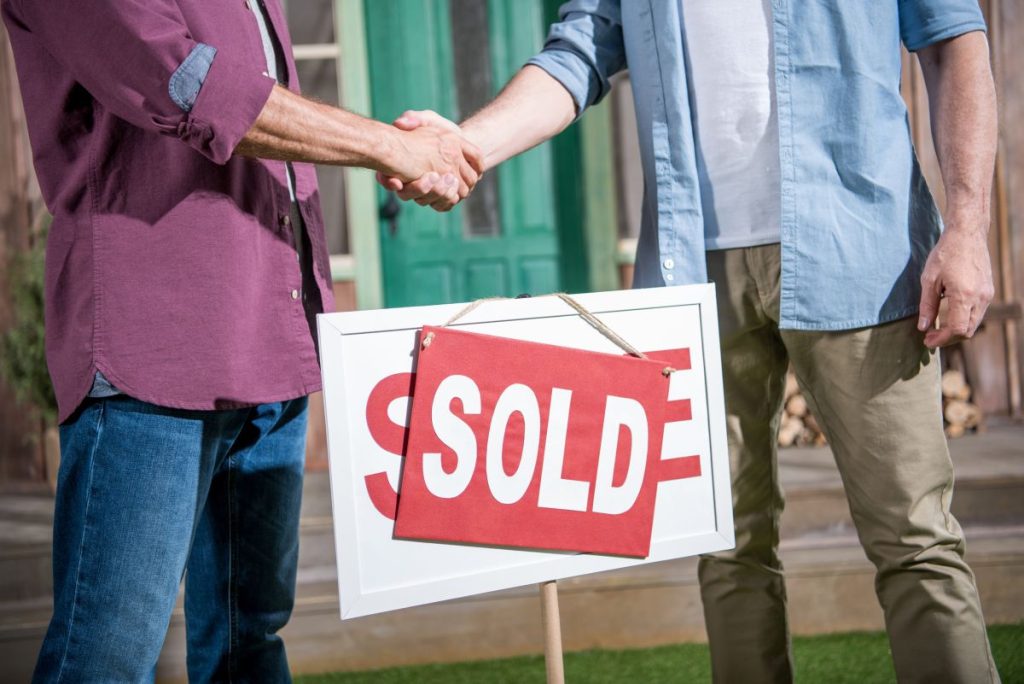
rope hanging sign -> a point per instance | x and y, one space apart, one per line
585 314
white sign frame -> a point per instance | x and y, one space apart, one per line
363 556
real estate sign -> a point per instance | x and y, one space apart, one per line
539 451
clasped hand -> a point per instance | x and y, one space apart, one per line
437 187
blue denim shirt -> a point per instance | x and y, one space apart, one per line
857 219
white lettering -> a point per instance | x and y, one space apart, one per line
555 490
508 489
620 412
455 434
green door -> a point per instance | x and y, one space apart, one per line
452 56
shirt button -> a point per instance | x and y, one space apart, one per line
286 220
669 264
669 277
295 294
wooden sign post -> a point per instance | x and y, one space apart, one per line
553 658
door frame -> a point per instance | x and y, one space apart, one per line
585 186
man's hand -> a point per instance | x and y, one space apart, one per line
292 128
531 108
962 102
435 157
958 270
438 192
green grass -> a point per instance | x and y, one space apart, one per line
835 659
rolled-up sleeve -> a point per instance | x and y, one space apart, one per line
585 49
126 52
926 22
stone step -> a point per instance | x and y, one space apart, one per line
25 571
823 509
830 586
989 488
989 491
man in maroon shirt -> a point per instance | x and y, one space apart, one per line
185 264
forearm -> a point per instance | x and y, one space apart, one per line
962 102
292 128
531 109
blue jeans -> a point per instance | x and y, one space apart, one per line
145 493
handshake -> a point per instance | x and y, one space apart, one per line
434 164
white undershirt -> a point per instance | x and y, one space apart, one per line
732 91
273 70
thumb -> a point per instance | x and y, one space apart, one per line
428 117
390 182
929 308
409 121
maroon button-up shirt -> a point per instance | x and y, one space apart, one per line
171 267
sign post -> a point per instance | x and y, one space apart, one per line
553 659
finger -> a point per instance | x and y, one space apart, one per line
954 325
446 193
469 177
454 197
443 205
958 317
446 189
432 118
390 182
474 156
449 184
976 316
443 188
929 307
978 312
422 187
409 121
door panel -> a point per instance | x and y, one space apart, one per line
502 241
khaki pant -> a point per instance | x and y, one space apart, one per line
875 393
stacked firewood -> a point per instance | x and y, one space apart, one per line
960 414
798 427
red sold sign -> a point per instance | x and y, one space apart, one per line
530 445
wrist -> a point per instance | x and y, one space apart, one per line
474 132
968 208
374 145
967 221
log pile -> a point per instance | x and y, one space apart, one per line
799 427
959 413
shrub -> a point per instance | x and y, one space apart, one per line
23 358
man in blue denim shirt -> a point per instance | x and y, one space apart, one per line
778 163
